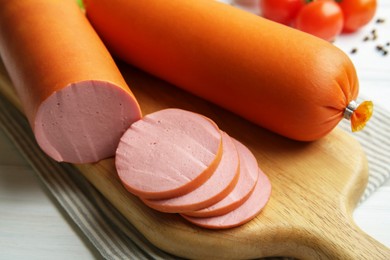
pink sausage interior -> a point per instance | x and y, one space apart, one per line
84 121
247 211
168 153
243 189
214 189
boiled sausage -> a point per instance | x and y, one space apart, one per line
241 215
243 189
168 153
73 94
218 186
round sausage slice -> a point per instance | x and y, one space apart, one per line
168 153
220 184
246 212
243 189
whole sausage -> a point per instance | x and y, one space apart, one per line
72 92
285 80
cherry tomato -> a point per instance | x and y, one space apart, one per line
322 18
357 13
281 11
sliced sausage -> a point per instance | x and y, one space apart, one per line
218 186
246 212
168 153
73 94
243 189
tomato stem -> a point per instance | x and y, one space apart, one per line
80 3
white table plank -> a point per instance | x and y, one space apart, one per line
373 216
373 68
31 225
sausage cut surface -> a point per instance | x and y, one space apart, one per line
221 182
84 121
246 212
241 192
168 153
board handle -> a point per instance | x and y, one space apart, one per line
348 241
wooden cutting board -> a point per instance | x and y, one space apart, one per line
316 186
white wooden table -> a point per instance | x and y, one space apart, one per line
33 227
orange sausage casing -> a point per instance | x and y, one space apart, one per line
282 79
73 94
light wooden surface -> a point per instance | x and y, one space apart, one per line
49 235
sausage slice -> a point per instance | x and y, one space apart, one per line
168 153
246 212
218 186
243 189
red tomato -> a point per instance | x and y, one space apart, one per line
322 18
281 11
357 13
